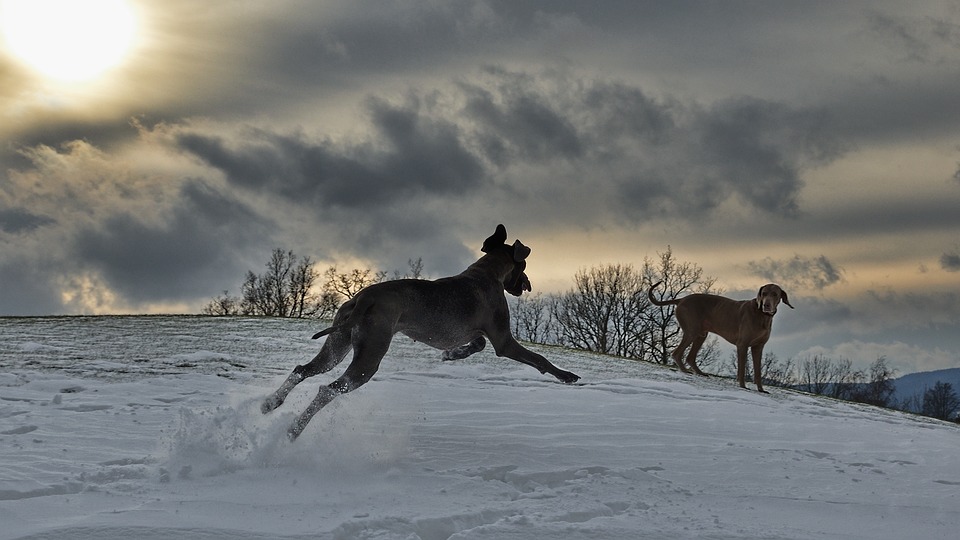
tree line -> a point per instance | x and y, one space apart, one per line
607 311
292 286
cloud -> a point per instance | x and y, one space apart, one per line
18 220
899 35
28 288
515 120
808 273
424 171
950 262
179 258
164 215
105 233
516 136
411 155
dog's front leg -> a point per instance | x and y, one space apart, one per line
513 350
757 353
741 365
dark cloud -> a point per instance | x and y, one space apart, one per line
652 152
516 116
477 141
29 288
53 129
950 262
889 308
193 252
419 176
18 220
759 149
900 36
413 155
620 110
801 272
813 316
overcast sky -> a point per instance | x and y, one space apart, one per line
812 144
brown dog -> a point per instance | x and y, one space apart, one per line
744 323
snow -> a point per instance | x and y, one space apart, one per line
149 427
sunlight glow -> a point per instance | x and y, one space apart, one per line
68 40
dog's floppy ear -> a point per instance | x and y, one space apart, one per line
784 299
520 251
498 238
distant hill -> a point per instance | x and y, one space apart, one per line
917 383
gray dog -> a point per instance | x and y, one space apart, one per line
744 323
452 314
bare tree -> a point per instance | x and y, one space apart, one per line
285 289
776 372
879 389
303 301
603 311
414 270
290 288
348 284
843 379
659 329
912 403
532 319
222 306
257 298
824 376
940 401
815 374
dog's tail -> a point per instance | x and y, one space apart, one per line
657 302
330 330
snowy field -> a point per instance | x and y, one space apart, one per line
149 428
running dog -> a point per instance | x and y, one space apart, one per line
453 314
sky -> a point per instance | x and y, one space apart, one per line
811 144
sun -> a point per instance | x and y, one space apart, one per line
68 40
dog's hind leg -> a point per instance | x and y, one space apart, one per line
367 353
694 350
463 351
334 349
677 353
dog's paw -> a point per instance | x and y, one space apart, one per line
295 430
270 404
567 377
